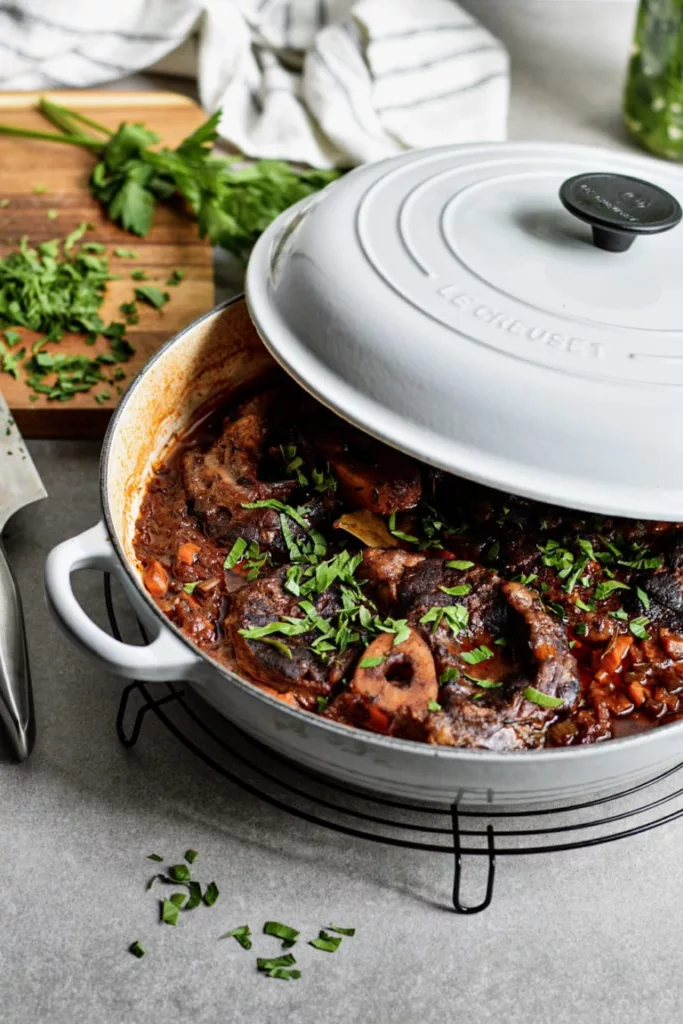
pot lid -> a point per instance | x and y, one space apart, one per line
511 313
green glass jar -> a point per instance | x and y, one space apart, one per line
653 103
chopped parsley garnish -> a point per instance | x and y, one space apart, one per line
619 614
581 628
544 700
191 856
607 587
478 655
486 684
556 608
342 931
279 645
281 931
451 675
460 591
175 278
433 706
399 534
525 578
236 553
189 588
459 563
137 950
241 934
643 598
372 662
637 627
456 616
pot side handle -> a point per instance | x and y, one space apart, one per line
165 658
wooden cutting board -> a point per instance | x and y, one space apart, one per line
172 244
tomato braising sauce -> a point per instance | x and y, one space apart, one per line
360 585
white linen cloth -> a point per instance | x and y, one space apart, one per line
323 82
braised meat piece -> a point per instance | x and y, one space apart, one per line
384 569
491 641
663 603
220 481
277 660
370 475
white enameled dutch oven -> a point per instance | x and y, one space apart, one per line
453 304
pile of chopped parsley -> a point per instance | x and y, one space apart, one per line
58 288
191 895
233 204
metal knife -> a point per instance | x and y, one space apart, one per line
19 486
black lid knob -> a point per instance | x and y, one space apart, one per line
619 207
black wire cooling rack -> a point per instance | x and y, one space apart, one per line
458 833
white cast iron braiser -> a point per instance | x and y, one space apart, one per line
216 355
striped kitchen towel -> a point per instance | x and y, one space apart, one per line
323 82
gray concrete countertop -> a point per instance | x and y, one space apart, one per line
577 938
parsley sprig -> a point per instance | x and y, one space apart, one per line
233 204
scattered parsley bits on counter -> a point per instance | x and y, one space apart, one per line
281 931
195 896
155 857
4 203
126 254
179 873
342 931
241 935
137 950
52 214
175 278
139 275
169 912
39 190
211 894
151 295
278 967
327 943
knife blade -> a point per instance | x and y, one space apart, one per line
20 485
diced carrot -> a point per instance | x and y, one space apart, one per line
155 579
637 693
615 653
187 553
378 721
